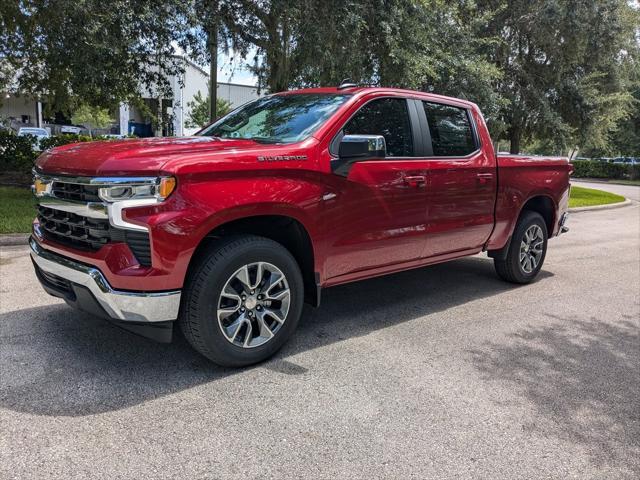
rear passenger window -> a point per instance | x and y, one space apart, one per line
450 128
388 117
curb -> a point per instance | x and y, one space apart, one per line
12 239
609 206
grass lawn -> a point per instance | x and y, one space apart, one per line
17 210
613 182
587 197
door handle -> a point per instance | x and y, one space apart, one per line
483 178
415 181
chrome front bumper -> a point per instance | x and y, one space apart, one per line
119 305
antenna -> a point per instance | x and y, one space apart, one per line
346 83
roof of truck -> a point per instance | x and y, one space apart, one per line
362 90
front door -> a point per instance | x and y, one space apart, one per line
376 215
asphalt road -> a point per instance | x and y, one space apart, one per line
443 372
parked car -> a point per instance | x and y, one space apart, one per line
232 230
71 129
37 133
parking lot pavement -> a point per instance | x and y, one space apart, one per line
442 372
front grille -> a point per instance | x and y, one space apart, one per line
74 230
85 233
76 192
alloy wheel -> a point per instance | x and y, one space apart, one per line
253 304
531 248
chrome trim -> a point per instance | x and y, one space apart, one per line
106 181
90 209
101 210
119 305
115 213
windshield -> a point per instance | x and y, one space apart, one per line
277 118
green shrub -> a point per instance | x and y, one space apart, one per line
16 153
602 169
64 139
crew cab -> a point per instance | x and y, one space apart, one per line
230 231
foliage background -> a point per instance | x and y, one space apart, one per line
554 76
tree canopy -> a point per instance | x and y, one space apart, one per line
549 75
91 117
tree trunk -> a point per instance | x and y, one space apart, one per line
514 138
213 67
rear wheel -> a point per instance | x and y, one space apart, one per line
526 251
243 301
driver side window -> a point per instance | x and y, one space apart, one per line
388 117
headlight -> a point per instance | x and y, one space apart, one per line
156 188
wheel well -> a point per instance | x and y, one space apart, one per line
541 204
287 231
544 206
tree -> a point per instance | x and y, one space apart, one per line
99 53
92 117
562 64
199 110
212 28
426 45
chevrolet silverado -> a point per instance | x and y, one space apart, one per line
230 231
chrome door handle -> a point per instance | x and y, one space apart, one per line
415 181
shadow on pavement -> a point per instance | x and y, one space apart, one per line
582 378
57 361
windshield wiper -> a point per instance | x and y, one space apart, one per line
266 140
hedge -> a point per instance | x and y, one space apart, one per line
602 169
18 155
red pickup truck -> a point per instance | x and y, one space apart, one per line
230 231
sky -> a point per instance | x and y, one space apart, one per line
232 70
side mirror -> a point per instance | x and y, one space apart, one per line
362 147
358 148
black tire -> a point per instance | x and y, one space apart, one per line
198 319
509 268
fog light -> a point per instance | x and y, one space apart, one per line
39 187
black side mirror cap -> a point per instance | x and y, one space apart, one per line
358 148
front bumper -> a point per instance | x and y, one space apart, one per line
81 284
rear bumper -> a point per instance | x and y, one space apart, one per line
562 225
86 287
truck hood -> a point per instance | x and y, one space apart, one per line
145 156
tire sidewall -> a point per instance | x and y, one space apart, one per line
528 219
260 250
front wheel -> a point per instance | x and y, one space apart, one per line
527 250
243 301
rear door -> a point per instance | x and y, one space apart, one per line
462 180
376 216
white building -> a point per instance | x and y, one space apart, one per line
17 111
